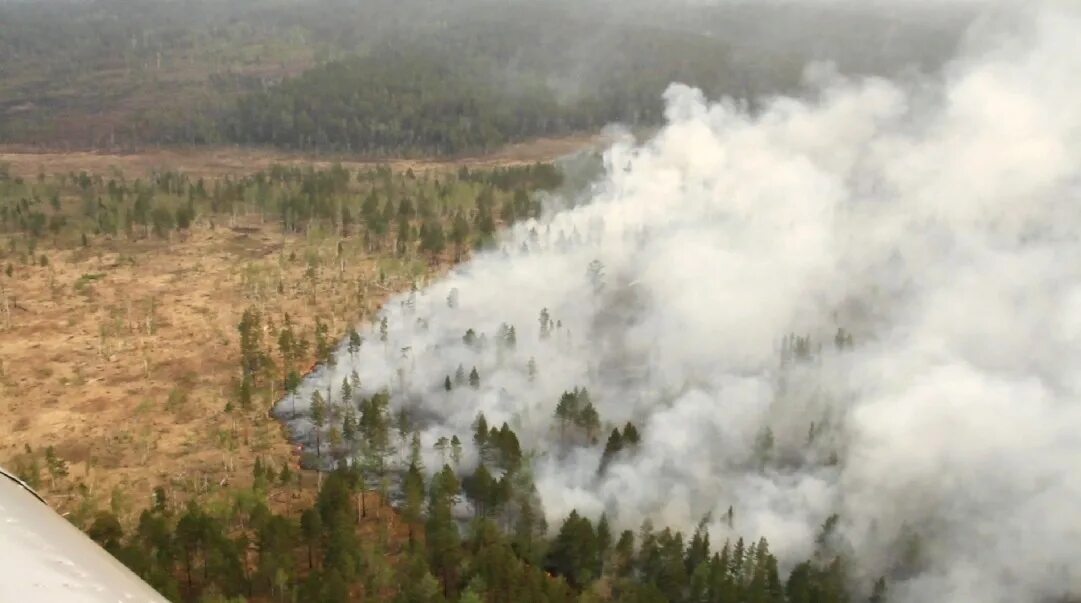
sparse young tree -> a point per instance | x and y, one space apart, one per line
545 321
432 239
346 392
415 458
566 412
350 426
611 448
413 490
456 451
589 420
480 433
443 539
57 467
251 344
404 236
459 235
441 446
324 347
355 342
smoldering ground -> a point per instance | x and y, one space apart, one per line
700 293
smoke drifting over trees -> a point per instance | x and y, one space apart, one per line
864 304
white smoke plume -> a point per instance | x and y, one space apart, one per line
936 221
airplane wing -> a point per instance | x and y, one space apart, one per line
45 558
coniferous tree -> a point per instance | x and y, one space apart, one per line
456 451
57 467
432 238
413 487
319 417
459 234
355 342
545 321
480 489
611 448
589 420
442 536
480 433
311 527
574 552
565 413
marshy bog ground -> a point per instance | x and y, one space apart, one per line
123 355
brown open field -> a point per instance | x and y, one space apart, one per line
124 359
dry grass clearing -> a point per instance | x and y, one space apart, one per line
124 356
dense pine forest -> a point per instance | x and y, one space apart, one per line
407 78
347 546
381 527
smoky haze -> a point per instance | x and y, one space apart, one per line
700 290
313 74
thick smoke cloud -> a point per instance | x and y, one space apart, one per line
936 222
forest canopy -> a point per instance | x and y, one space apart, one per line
411 77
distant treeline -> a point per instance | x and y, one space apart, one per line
406 103
409 77
401 212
